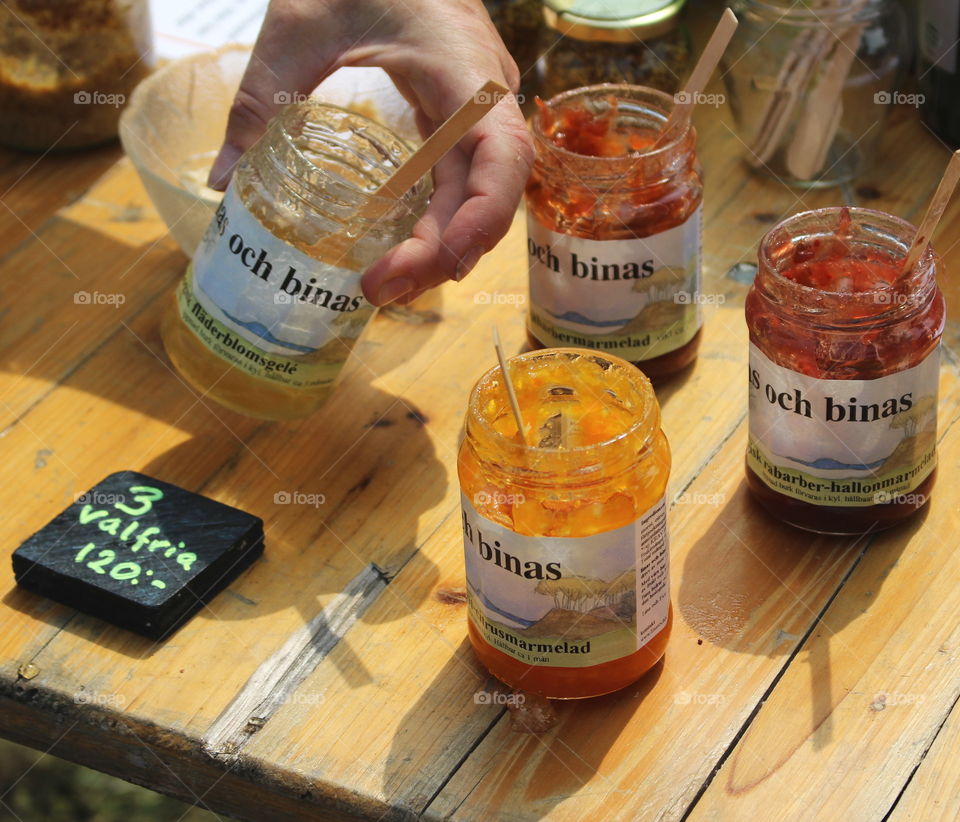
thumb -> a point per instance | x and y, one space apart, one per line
285 64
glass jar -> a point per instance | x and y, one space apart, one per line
565 539
519 23
613 229
810 87
270 306
638 42
844 369
67 68
939 71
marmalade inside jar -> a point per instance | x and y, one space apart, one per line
598 177
851 317
597 461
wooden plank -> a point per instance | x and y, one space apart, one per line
933 794
875 680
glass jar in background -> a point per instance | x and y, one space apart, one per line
844 372
810 87
270 307
639 42
614 229
565 538
519 23
67 68
939 69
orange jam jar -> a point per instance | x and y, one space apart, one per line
565 538
613 229
844 370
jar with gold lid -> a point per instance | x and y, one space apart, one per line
640 42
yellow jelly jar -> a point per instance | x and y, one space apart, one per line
270 307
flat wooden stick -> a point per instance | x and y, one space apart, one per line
433 149
934 212
509 385
702 71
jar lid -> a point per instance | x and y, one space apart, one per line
622 22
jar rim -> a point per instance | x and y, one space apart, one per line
889 227
378 137
647 418
603 91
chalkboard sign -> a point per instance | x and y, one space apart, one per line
139 552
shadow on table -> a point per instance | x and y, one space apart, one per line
367 453
749 565
568 755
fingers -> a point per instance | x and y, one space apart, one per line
477 189
286 60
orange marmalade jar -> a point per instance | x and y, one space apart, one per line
844 370
565 538
613 229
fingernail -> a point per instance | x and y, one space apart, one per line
223 167
394 289
468 261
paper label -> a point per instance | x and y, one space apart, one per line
842 442
638 298
567 602
267 308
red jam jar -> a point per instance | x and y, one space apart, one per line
613 229
844 368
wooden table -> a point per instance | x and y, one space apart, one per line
806 678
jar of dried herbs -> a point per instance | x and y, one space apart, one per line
67 68
640 42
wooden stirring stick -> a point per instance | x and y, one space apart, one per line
934 212
509 385
433 149
682 112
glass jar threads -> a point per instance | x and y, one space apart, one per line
67 68
810 87
613 229
844 369
270 307
565 538
638 42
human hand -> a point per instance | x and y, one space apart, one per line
438 53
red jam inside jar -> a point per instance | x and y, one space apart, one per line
843 372
614 229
